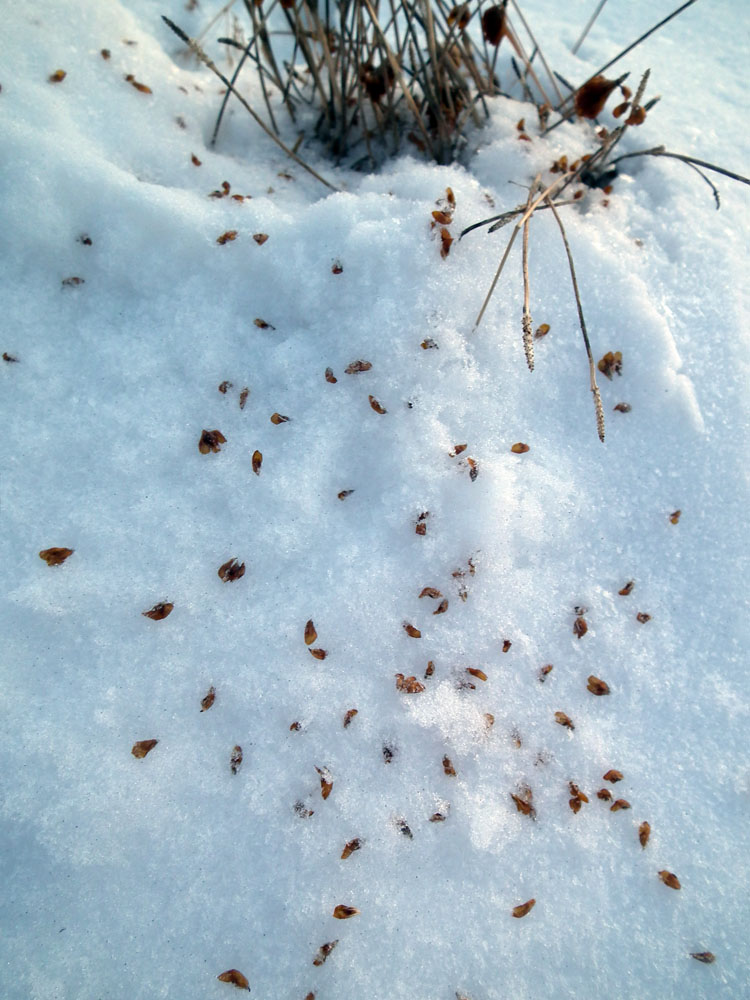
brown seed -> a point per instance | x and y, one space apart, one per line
105 54
476 672
623 408
342 912
211 441
350 847
675 516
9 358
519 448
457 449
376 405
707 957
262 324
235 978
541 331
57 77
421 527
619 804
72 282
523 801
257 462
225 385
473 469
344 494
563 720
523 908
337 268
613 776
642 617
430 669
295 727
627 589
448 767
506 645
138 86
489 720
604 794
611 364
358 366
330 377
243 397
260 238
326 781
576 792
592 96
580 627
208 699
231 570
403 827
430 592
324 951
544 672
235 761
442 607
575 803
56 556
349 716
194 160
597 686
438 818
442 218
408 684
158 612
277 418
227 237
310 634
143 747
493 24
670 879
413 632
319 654
445 243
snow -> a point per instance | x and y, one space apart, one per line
148 878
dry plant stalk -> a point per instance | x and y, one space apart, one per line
528 336
592 368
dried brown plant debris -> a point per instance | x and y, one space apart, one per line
143 747
159 611
56 555
208 699
211 441
236 978
231 570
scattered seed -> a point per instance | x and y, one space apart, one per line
544 672
541 331
9 358
342 912
208 699
324 951
642 617
231 570
310 634
73 282
159 611
295 727
243 397
476 672
707 957
580 627
57 77
344 494
143 747
326 781
235 761
55 556
211 441
622 408
563 720
330 377
604 794
675 516
413 632
613 776
597 686
349 716
611 364
141 87
670 879
376 405
523 908
257 461
262 324
627 589
438 818
350 847
260 238
448 767
619 804
358 366
277 418
236 978
644 832
319 654
506 645
442 607
519 448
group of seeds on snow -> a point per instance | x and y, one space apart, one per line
210 441
233 570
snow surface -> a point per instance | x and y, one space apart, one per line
138 879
